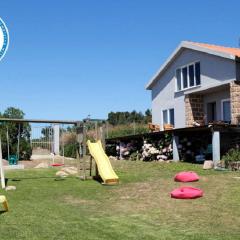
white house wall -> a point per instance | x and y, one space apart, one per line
214 70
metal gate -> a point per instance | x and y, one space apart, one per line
42 139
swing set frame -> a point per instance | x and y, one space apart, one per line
81 131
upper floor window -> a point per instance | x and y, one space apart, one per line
188 76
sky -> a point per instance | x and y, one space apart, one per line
70 59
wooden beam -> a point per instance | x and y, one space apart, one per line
37 121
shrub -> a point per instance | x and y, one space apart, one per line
233 155
160 150
124 130
135 156
70 150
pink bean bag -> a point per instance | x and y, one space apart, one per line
186 193
186 177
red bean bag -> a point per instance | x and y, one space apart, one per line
186 177
186 193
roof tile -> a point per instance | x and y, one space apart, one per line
229 50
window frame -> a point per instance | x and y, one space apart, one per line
188 78
168 116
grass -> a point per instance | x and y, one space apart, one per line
138 208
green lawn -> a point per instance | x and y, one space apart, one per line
138 208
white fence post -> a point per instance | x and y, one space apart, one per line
56 138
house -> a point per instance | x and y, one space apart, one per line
198 83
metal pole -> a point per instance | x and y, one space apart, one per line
52 143
31 137
18 146
107 128
90 169
81 139
102 136
8 143
84 150
62 137
96 131
1 167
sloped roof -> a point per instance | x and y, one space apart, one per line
229 50
221 51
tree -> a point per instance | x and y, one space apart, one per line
148 116
23 129
121 118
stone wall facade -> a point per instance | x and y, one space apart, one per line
194 109
235 101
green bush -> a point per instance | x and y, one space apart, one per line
125 130
70 150
233 155
135 156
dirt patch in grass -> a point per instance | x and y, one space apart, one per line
138 197
153 199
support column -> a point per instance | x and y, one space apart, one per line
235 101
194 109
81 152
175 141
56 133
216 147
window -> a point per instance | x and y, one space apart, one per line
179 82
191 75
197 73
185 77
226 110
168 116
188 76
165 116
171 116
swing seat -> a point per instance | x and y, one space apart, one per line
186 177
57 164
13 160
186 193
4 202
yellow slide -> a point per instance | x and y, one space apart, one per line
105 169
